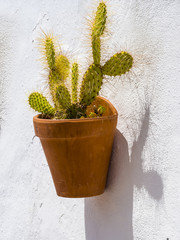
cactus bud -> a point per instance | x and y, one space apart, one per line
101 110
92 115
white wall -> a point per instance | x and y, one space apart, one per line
142 200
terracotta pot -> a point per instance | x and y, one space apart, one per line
78 151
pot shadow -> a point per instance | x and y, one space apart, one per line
110 215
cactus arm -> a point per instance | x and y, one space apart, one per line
96 49
98 27
99 22
63 96
50 52
91 85
118 64
40 104
62 66
54 79
58 75
74 77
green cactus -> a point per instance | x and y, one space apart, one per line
98 27
62 66
99 22
40 104
63 96
75 111
54 80
96 49
91 85
59 68
74 79
50 52
118 64
101 110
92 115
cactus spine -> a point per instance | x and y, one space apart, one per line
59 68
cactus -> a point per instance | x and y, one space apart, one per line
118 64
92 115
63 66
59 68
63 96
40 104
92 82
98 27
75 111
75 76
101 110
49 51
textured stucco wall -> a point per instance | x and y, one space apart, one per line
142 200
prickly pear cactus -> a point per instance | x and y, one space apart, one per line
63 66
98 27
63 96
49 51
66 104
40 104
75 76
91 85
118 64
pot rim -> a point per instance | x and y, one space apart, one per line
113 115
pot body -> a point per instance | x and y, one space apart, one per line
78 151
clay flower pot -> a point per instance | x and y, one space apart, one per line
78 151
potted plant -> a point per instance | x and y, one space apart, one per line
77 132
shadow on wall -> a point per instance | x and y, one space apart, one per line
110 216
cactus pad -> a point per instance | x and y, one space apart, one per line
50 52
118 64
74 77
62 66
98 27
96 49
99 22
91 85
63 96
40 104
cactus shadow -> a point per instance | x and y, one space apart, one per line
110 215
